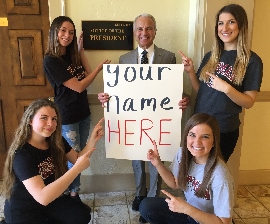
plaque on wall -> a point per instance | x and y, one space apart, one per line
107 35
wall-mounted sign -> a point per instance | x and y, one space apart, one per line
107 35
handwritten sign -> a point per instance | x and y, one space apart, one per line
143 107
107 35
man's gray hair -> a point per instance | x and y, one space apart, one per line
145 15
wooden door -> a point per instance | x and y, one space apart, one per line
24 26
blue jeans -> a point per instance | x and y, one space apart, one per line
155 210
76 135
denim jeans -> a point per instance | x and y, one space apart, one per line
155 210
76 135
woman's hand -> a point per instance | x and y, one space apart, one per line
188 63
97 132
83 161
103 98
100 65
80 42
218 84
183 103
153 155
175 204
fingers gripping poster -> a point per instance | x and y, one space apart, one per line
143 107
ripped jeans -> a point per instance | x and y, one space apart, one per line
76 135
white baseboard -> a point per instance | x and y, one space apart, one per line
110 183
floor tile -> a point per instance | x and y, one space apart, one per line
250 208
257 221
238 221
130 196
111 214
110 198
88 199
259 190
242 192
235 216
2 202
134 216
265 201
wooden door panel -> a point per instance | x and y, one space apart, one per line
27 57
23 6
2 133
21 106
22 43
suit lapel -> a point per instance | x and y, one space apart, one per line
134 56
157 56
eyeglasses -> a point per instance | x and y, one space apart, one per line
147 29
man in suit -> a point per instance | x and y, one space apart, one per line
144 29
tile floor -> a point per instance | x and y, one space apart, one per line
253 206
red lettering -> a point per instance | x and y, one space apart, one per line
163 132
128 133
143 130
117 131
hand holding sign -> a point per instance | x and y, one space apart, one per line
103 98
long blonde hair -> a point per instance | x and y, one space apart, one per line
23 133
243 50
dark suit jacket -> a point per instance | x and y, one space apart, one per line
161 56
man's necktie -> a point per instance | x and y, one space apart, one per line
144 59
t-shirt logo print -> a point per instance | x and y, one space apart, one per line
223 70
195 184
46 168
78 72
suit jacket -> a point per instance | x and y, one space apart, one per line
161 56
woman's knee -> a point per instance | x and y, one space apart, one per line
150 204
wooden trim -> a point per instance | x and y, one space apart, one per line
263 96
93 99
111 183
254 177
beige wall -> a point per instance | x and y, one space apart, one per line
171 17
255 153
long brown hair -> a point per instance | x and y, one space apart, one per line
23 133
53 48
199 118
243 50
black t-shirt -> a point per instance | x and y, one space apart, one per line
29 162
217 103
73 105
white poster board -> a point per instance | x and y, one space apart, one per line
143 107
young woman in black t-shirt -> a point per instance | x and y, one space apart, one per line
35 172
